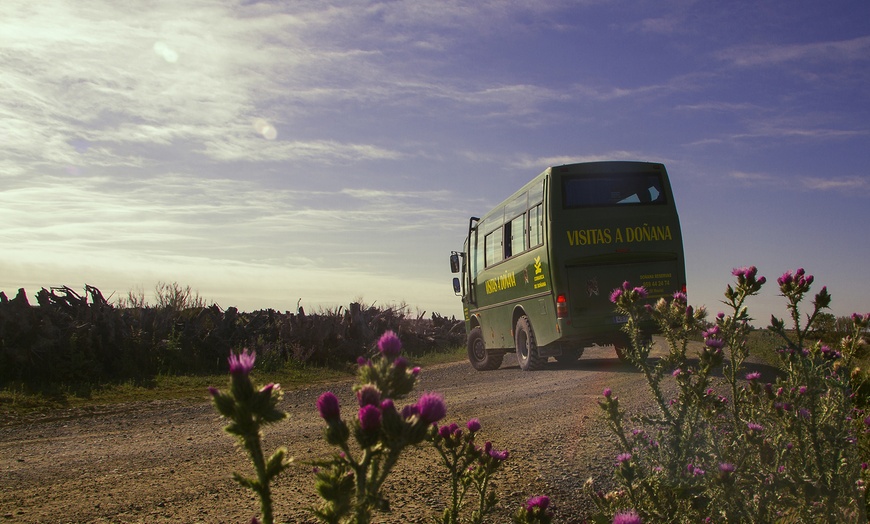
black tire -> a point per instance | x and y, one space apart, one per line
527 346
480 358
569 356
620 348
624 344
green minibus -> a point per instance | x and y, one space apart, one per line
536 272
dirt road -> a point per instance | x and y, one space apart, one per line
171 462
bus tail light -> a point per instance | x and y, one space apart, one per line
561 306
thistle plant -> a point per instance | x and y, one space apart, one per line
535 511
790 450
369 444
248 410
470 467
350 483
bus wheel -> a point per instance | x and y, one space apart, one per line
569 356
620 351
527 346
481 359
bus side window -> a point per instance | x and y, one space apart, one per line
536 226
517 234
493 247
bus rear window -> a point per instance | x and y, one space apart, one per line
612 190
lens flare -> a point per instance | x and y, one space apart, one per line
265 129
165 52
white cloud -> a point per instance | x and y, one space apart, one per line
851 183
855 49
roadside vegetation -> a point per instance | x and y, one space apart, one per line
77 350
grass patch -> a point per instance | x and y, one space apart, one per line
18 400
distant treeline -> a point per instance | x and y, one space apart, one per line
68 337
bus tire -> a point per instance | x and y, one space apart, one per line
480 358
569 356
527 346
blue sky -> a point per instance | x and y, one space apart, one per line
267 152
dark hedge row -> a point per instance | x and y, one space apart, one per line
68 337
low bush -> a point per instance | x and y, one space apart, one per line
73 338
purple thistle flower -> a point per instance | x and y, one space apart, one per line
614 296
444 432
622 458
243 363
473 425
755 375
541 501
369 395
755 427
390 345
607 392
410 411
497 455
431 408
640 291
627 517
725 467
328 406
715 343
214 391
680 297
369 418
400 363
269 388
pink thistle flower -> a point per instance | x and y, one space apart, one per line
614 296
390 345
410 411
328 406
473 425
431 408
755 375
368 395
269 388
243 363
541 501
497 455
627 517
607 392
369 418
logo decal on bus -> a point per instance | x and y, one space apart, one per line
539 274
592 286
501 282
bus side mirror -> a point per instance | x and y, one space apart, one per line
456 287
454 263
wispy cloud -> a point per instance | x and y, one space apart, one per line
845 184
855 49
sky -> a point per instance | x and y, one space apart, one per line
269 154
